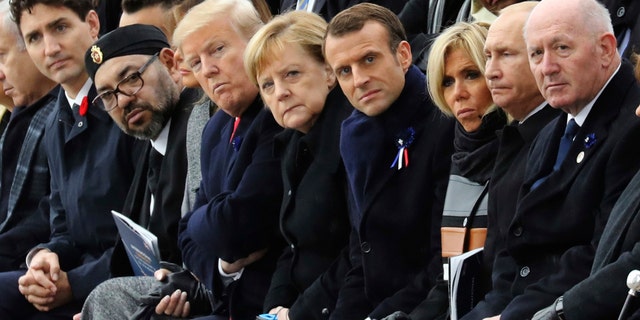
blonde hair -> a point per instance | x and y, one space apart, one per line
295 27
467 36
242 15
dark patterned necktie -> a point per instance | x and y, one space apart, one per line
565 142
155 162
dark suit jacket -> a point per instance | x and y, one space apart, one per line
92 163
171 187
313 219
625 15
395 214
508 175
27 222
330 8
602 294
236 209
551 240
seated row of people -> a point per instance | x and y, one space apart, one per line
338 216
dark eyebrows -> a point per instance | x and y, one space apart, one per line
369 53
54 23
121 75
51 25
126 71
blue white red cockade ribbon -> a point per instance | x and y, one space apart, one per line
403 141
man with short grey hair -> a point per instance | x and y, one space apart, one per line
24 177
579 163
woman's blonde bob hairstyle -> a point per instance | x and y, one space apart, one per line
295 27
467 36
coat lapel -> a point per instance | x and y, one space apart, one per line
28 155
591 136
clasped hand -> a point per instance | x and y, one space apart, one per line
44 285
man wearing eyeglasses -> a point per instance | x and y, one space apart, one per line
138 86
91 162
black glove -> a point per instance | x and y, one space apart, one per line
398 315
200 298
548 313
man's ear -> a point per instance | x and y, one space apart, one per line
403 54
93 21
166 56
608 47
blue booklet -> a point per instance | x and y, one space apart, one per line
141 245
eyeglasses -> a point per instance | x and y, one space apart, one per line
128 86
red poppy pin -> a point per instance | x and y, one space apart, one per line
84 105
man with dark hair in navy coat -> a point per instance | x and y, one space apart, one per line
396 148
91 162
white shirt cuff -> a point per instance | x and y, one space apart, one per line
32 253
234 276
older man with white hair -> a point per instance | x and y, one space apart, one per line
578 165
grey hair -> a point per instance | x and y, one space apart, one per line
7 23
596 17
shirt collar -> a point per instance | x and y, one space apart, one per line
84 91
582 115
532 112
160 143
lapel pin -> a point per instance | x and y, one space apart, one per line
580 157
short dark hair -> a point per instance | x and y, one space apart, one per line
80 7
131 6
354 18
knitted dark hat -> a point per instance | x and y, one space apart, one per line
128 40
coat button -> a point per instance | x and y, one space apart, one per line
621 11
293 247
289 193
80 124
525 271
365 247
325 311
517 231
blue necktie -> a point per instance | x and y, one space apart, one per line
302 4
565 143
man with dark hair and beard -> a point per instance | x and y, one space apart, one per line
137 84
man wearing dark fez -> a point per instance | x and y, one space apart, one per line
138 86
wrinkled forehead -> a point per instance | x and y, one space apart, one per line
41 16
507 31
218 31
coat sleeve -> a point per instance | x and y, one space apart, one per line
241 219
281 292
318 300
602 294
575 263
499 296
352 300
60 240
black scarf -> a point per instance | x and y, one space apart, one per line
475 152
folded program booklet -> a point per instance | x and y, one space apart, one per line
141 245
